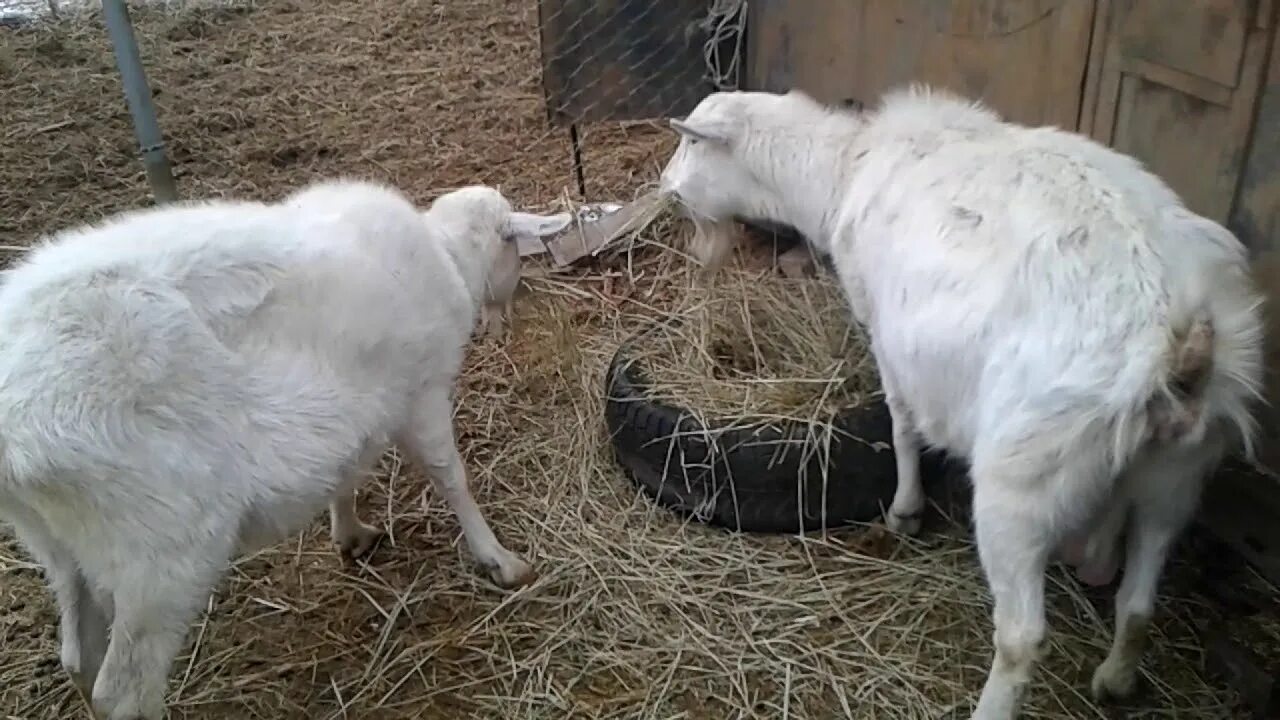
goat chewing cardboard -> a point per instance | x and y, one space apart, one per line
595 227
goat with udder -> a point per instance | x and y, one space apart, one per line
184 384
1038 304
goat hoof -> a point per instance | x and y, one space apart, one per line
123 709
360 543
84 687
1098 573
794 270
1111 684
512 573
908 524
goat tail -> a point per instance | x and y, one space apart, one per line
1213 373
1177 411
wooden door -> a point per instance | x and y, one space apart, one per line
1026 58
1174 84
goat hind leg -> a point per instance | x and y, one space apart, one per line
1014 542
1165 488
354 538
155 601
82 624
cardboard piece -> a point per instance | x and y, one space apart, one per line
530 245
595 226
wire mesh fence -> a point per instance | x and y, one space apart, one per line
637 59
597 65
629 61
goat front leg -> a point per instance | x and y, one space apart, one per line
907 511
431 439
354 538
508 316
494 319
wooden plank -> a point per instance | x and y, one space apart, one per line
622 59
1205 38
1256 216
1150 96
1093 68
1107 103
1240 508
1026 58
1243 670
1185 83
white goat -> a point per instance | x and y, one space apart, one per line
1038 304
181 385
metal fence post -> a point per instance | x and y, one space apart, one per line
138 95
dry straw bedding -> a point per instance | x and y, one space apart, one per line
635 615
757 346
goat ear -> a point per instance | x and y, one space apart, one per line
708 131
530 225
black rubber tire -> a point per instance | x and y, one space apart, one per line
746 478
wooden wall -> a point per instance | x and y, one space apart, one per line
1026 57
1256 219
1176 85
1256 216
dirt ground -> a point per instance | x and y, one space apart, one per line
635 615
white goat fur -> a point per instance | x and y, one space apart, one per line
1027 292
180 385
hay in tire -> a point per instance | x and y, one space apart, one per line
755 407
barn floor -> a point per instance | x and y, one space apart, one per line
635 614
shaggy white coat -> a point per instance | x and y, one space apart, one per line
184 384
1039 305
